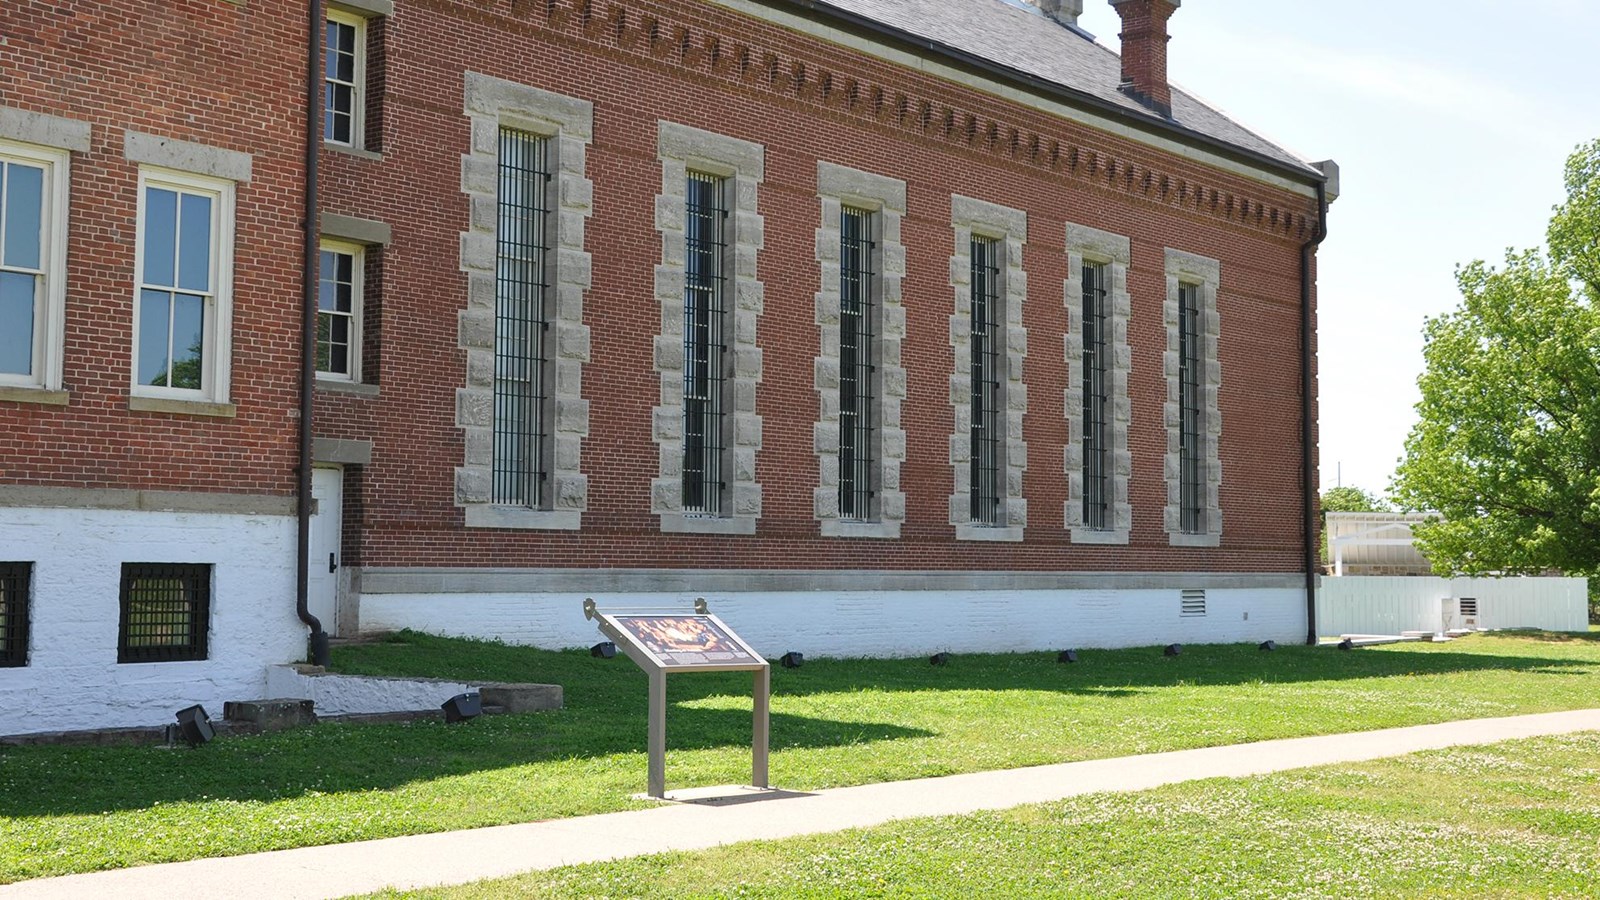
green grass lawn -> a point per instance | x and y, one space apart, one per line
835 722
1518 819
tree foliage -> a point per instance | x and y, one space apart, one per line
1351 499
1507 445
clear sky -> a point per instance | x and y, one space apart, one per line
1451 120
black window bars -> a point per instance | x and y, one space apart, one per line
165 612
988 398
705 345
1096 398
858 315
1191 439
15 578
520 469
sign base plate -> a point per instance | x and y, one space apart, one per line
724 795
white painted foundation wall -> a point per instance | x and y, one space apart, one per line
1375 604
73 681
877 623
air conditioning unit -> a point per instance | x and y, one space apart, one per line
1468 609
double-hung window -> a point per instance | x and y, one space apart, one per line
182 303
858 401
343 76
32 262
705 345
1191 435
339 305
1096 322
522 382
986 318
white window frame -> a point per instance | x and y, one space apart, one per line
358 302
49 310
358 83
218 334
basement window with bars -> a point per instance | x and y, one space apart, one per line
1096 323
521 447
1192 603
1191 436
705 345
987 320
15 586
858 302
165 612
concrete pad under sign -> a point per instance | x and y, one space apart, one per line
726 795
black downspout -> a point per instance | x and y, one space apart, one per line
1307 422
308 336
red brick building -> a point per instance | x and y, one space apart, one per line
885 325
152 195
755 372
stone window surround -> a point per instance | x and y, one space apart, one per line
1190 269
682 149
212 397
52 140
969 217
838 187
568 123
1087 245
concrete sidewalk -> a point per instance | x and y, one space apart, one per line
460 856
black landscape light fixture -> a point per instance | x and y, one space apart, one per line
939 659
462 707
792 660
1267 646
1347 644
603 650
195 726
1172 650
1067 656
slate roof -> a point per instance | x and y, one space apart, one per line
1028 42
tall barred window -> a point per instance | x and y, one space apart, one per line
1096 322
1191 449
857 366
988 398
521 450
705 345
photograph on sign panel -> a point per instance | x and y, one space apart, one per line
684 640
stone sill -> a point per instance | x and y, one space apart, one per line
677 523
348 150
41 396
357 388
1012 534
840 528
182 407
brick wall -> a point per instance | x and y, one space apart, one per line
805 100
227 75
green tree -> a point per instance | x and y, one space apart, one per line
1351 499
1507 443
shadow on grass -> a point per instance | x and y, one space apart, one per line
335 758
606 709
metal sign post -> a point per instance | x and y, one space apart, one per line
660 641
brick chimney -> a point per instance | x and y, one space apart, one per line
1144 51
1064 11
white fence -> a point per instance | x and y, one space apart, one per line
1361 604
